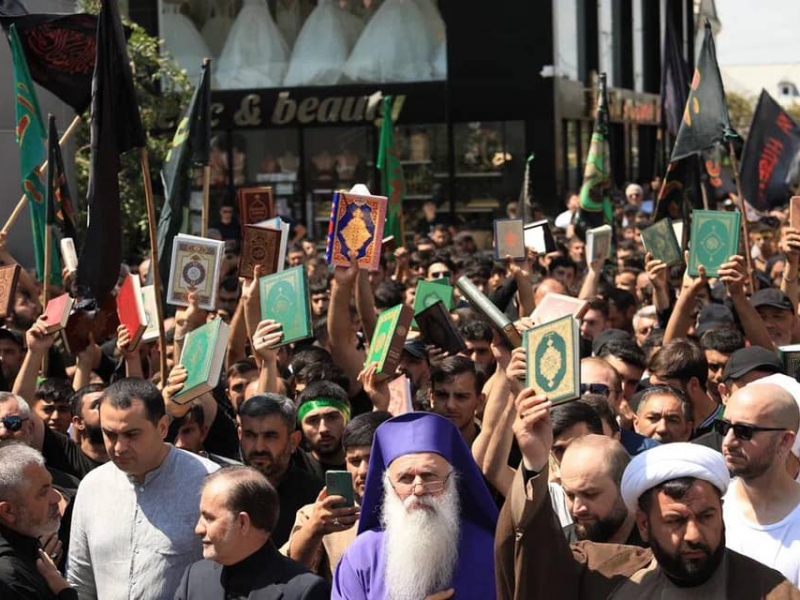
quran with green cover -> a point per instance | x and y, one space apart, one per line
714 239
203 355
659 239
284 298
389 338
554 361
429 293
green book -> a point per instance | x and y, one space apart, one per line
554 361
659 239
203 355
284 298
714 239
429 293
389 338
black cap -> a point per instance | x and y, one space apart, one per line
609 335
416 349
755 358
7 334
714 316
771 297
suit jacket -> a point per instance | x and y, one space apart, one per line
534 561
264 575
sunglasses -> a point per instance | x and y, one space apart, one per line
742 431
13 423
441 274
595 388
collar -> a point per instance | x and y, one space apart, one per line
20 544
713 417
242 577
151 475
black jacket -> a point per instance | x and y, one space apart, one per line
19 578
264 575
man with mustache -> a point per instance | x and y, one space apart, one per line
762 506
323 412
427 519
674 490
268 436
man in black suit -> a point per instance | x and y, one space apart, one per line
238 511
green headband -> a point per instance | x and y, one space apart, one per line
323 403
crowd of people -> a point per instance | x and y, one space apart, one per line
674 475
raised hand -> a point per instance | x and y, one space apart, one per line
327 518
376 386
37 340
266 339
734 275
657 272
533 429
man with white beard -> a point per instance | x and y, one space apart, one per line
427 520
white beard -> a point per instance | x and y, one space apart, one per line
421 545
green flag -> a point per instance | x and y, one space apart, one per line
595 197
392 182
32 140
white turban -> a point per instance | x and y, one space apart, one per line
672 461
791 385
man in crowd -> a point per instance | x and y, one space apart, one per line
664 414
238 512
675 492
268 436
628 361
52 404
149 490
323 412
191 432
455 393
427 520
478 335
718 345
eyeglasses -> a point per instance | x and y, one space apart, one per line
742 431
432 486
441 274
13 423
595 388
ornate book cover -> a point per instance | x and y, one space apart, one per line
150 313
509 239
598 243
260 246
438 329
8 287
195 266
714 239
356 229
202 355
659 239
389 338
554 359
284 298
483 305
255 205
554 306
790 355
539 237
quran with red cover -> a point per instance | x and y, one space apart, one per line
255 205
57 312
130 309
260 246
554 306
8 286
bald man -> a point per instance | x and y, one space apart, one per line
591 472
762 505
548 285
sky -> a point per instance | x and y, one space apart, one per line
758 32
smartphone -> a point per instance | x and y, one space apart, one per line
340 483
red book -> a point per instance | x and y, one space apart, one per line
130 309
57 312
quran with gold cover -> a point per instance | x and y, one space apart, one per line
195 267
389 338
554 362
260 246
713 240
284 298
356 230
8 286
255 205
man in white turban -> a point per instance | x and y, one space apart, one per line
675 492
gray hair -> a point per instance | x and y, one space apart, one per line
633 187
14 457
646 312
24 407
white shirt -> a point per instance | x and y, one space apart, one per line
564 219
130 540
776 545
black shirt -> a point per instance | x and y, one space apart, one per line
634 539
297 489
19 578
63 454
307 462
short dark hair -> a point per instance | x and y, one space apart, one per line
309 355
261 406
654 339
389 293
440 258
478 269
682 360
76 403
477 330
564 416
674 488
627 351
361 430
318 285
124 392
621 299
322 389
323 372
195 414
724 341
659 390
600 305
603 409
240 367
249 492
54 390
451 367
562 261
230 284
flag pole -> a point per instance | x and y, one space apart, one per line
206 180
48 266
151 222
42 170
745 228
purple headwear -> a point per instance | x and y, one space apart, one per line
417 432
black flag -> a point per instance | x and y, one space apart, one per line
116 128
60 51
674 81
770 154
60 213
680 193
705 118
190 147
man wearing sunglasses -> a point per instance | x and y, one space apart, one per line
762 506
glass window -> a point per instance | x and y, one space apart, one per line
286 43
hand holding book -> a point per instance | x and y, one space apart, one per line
266 340
375 386
177 377
37 340
734 275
